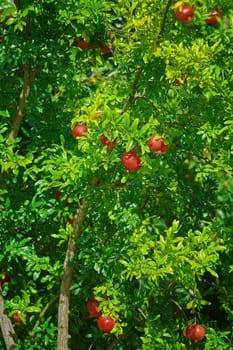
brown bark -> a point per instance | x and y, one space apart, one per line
7 329
29 77
130 98
64 299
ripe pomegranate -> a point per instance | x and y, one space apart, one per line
195 332
106 324
131 161
16 317
92 307
84 45
157 145
79 130
106 142
185 13
212 17
105 49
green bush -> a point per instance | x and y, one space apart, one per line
154 245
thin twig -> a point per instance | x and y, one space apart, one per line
131 96
162 27
41 315
114 343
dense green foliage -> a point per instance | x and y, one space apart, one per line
156 247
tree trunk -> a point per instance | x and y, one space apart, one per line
8 332
64 299
29 77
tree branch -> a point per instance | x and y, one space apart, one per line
64 299
29 77
41 315
131 96
162 27
7 329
